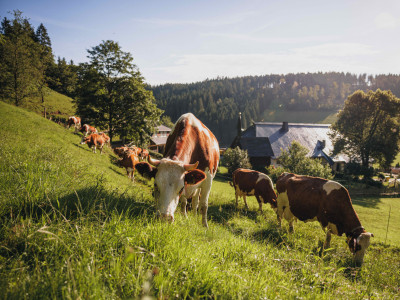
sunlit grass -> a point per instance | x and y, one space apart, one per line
74 226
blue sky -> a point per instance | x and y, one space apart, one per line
188 41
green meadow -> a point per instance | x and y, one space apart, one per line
72 225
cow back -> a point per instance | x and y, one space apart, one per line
190 142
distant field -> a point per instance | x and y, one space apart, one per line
324 117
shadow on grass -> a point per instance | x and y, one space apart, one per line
223 213
370 202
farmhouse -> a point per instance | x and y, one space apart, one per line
158 140
264 142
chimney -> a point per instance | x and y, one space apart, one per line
285 126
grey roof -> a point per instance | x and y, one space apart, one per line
159 140
256 147
163 128
312 136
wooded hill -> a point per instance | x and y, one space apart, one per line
315 96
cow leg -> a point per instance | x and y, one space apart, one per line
183 205
101 149
259 203
237 199
327 243
205 193
195 201
245 202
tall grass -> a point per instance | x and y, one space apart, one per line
74 226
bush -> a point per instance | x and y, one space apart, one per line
295 160
274 172
236 158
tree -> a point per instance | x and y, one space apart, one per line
368 127
19 59
295 160
45 58
112 94
236 158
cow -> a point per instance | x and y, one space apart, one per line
315 199
93 141
187 169
121 150
87 129
76 121
106 137
144 154
129 161
252 183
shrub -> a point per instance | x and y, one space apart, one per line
236 158
274 172
295 160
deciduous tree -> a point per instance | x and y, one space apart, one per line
368 127
112 94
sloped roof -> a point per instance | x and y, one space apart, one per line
312 136
256 147
158 140
163 128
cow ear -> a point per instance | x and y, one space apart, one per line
146 170
194 177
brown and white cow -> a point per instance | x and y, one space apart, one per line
144 154
106 137
93 141
315 199
252 183
129 161
75 121
189 165
87 129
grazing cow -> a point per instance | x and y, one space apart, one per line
93 141
76 121
144 154
87 129
106 137
189 165
121 150
129 161
310 198
252 183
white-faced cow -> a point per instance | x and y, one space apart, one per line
87 129
252 183
93 141
189 165
75 121
315 199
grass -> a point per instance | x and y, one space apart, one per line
57 105
73 226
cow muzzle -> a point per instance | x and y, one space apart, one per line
167 217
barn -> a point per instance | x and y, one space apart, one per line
264 142
159 138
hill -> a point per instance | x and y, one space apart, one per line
73 226
57 105
300 97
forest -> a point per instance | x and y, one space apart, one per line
217 102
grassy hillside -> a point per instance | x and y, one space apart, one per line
56 105
324 117
73 226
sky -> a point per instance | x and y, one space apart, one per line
190 41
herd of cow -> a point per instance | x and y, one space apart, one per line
190 163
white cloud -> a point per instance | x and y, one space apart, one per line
386 21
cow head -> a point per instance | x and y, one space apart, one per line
84 140
171 179
358 245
